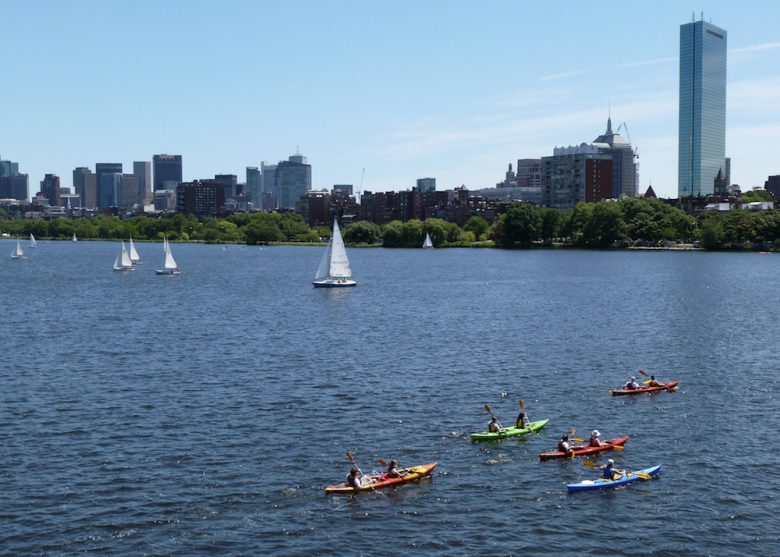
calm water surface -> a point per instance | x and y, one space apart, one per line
203 414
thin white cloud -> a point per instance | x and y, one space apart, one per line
564 75
648 62
754 48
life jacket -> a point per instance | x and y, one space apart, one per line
595 442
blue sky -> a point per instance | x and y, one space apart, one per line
454 90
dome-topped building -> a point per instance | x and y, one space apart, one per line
625 169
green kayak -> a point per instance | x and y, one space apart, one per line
508 432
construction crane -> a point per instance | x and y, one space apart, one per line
628 135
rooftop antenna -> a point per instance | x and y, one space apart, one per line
702 15
693 16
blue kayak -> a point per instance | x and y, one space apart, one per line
626 478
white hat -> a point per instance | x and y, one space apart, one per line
633 379
595 433
611 461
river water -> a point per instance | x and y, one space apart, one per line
203 414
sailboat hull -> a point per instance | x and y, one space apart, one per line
333 283
167 271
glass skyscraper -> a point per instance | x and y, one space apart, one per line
702 134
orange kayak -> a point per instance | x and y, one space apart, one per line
378 481
661 387
585 450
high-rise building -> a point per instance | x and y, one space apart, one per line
292 179
625 169
702 131
529 173
8 168
15 186
200 198
254 185
426 184
576 174
85 186
50 188
108 177
167 171
143 173
229 183
130 191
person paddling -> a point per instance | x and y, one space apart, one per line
354 479
523 421
595 438
564 446
392 470
493 425
654 383
632 385
609 471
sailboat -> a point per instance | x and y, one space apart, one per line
134 257
74 239
427 243
169 267
122 262
33 243
334 270
18 253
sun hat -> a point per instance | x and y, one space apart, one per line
595 433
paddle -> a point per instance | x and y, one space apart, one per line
576 439
643 372
352 460
489 410
522 407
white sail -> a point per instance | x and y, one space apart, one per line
33 243
134 257
427 243
17 253
322 270
118 262
74 239
126 261
339 264
170 262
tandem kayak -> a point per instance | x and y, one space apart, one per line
584 450
662 387
626 478
378 481
509 432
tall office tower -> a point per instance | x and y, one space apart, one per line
529 173
8 168
292 179
426 184
15 186
167 171
625 169
50 188
254 185
130 191
702 133
229 183
85 186
108 188
143 173
268 176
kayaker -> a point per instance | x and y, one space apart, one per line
564 446
493 425
522 420
595 440
609 471
632 385
392 470
654 383
354 478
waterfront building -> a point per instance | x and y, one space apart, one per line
426 184
702 119
15 186
200 197
576 174
292 179
529 174
529 194
772 185
85 186
50 188
167 171
70 200
143 174
625 169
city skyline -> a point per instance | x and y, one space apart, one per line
457 93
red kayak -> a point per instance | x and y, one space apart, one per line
661 387
585 450
377 481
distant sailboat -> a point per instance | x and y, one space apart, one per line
33 243
427 243
74 239
134 257
18 253
122 262
334 270
169 267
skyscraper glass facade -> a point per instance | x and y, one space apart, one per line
702 132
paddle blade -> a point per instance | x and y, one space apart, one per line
644 476
589 464
643 372
349 457
573 431
522 404
382 461
618 447
489 410
578 439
